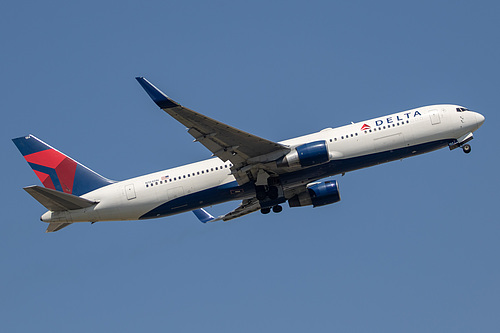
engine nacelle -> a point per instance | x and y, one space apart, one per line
318 194
306 155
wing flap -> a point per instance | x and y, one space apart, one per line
224 138
56 201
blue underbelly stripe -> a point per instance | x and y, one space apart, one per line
232 191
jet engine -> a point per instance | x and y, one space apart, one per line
317 194
306 155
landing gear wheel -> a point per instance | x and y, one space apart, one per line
466 148
277 209
265 210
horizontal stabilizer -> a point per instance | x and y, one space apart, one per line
56 201
56 226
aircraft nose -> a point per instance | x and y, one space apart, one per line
479 119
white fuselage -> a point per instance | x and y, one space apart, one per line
133 198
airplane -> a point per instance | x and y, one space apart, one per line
261 173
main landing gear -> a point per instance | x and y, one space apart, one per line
263 192
466 148
276 209
270 196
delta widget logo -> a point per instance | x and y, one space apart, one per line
365 127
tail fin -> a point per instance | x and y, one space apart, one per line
56 170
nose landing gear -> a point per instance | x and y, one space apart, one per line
462 143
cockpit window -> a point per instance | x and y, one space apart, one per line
462 109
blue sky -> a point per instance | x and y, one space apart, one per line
413 245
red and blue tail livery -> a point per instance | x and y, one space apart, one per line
56 170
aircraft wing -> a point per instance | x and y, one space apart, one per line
224 141
247 206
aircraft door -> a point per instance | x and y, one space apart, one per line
130 192
435 118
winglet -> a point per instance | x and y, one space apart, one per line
203 215
162 100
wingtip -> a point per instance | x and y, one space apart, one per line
162 100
